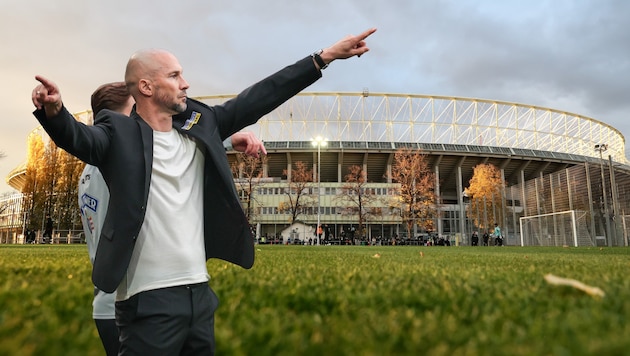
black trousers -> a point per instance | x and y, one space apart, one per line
168 321
108 332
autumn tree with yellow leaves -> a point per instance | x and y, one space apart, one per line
69 169
417 199
34 196
51 185
485 193
298 192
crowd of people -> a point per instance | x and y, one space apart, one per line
496 235
348 238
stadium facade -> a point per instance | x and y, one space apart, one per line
567 180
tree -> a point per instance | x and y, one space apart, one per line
67 189
417 199
33 194
359 198
48 175
247 171
51 184
486 202
298 192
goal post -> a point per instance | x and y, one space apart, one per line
565 228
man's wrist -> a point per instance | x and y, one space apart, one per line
319 61
322 58
53 109
327 56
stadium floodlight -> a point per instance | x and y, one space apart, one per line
319 142
603 147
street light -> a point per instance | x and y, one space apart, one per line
602 148
318 142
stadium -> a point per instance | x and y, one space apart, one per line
566 177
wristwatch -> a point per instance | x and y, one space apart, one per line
318 59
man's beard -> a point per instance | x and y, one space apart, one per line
175 107
179 107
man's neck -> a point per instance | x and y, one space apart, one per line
158 121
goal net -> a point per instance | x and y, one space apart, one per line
568 228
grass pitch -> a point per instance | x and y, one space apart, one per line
343 300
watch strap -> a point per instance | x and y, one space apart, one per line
318 59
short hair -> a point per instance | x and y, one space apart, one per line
111 96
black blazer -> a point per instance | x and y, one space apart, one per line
122 148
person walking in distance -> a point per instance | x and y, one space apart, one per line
498 238
171 185
475 238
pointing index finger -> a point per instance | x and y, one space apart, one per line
366 34
45 82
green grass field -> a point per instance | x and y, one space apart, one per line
340 300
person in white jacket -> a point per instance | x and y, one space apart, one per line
93 202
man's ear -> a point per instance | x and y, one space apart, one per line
145 87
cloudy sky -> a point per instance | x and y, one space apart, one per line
568 55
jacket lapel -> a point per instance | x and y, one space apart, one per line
147 143
207 137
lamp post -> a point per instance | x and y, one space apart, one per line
602 148
318 142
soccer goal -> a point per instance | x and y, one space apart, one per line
565 228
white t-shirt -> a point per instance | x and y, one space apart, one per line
93 202
169 250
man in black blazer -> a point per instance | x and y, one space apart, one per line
171 192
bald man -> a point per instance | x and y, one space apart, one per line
173 203
94 201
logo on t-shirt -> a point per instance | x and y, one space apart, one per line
85 179
89 202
